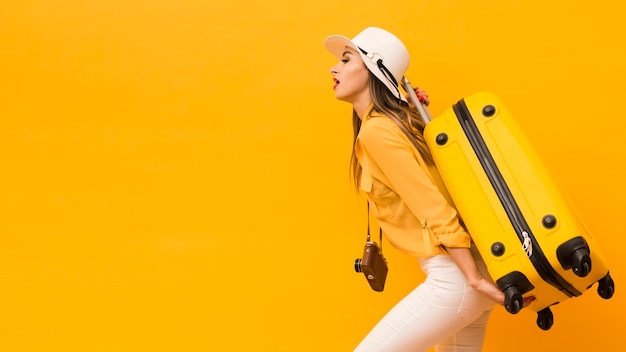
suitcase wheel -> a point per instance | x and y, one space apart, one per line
581 262
513 301
606 287
545 319
574 254
513 285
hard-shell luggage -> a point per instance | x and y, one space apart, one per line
532 241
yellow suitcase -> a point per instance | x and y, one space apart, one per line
531 239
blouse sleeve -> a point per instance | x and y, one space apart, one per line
386 146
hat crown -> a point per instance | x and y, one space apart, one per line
381 44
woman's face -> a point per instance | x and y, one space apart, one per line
351 78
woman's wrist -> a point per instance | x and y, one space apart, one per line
475 282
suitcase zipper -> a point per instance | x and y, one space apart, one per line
523 231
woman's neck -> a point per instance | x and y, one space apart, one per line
361 107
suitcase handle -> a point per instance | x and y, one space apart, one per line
421 108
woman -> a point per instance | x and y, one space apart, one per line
450 309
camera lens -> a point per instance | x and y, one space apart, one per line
357 265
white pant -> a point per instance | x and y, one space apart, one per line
443 311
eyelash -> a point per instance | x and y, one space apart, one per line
344 60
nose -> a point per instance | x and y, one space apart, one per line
333 70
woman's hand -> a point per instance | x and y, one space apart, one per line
528 301
490 290
465 261
422 96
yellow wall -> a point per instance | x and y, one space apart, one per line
174 173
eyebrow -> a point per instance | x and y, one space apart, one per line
351 52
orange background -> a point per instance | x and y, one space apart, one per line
175 172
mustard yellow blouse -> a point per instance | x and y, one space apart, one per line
406 196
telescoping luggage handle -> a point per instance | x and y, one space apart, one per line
421 108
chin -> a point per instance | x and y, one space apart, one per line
343 97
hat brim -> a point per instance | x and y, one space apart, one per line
337 44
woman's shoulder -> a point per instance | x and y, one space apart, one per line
381 130
377 123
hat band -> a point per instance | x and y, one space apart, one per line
385 71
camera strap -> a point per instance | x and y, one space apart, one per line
380 230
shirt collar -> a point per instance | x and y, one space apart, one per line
369 112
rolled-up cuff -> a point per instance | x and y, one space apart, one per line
455 240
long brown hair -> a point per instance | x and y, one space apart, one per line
385 103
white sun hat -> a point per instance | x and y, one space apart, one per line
383 53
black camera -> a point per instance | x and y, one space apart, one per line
373 265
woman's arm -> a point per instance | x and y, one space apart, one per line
465 261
